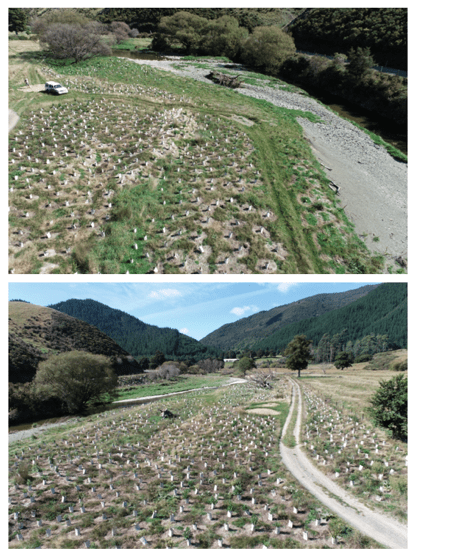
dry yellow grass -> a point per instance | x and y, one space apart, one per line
353 386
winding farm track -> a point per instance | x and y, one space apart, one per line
383 529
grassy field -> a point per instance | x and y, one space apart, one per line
342 441
352 387
209 478
138 171
181 383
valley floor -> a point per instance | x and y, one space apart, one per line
214 476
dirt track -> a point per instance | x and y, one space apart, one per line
383 529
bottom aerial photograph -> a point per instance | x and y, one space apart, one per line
208 415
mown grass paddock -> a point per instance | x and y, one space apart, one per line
209 478
137 170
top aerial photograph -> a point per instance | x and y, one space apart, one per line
207 141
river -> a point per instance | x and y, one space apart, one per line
390 132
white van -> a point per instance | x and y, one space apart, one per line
52 87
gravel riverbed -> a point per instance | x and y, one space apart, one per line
372 184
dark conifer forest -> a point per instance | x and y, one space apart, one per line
133 335
384 311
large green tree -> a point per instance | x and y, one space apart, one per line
17 19
267 48
343 360
77 378
223 37
245 364
360 62
298 353
184 27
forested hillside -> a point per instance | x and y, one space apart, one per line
383 30
36 332
384 311
248 331
133 335
147 19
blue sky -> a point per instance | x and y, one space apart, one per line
195 309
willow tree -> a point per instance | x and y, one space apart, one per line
77 378
267 48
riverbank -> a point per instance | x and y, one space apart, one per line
14 436
372 184
388 130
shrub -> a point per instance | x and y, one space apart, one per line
70 41
399 366
195 369
167 371
210 365
389 406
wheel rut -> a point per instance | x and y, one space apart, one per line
381 528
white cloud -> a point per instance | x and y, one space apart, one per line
284 287
184 330
240 311
163 294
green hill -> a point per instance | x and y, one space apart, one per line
249 331
133 335
383 311
36 332
326 31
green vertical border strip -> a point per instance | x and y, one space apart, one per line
443 324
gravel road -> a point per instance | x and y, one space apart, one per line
373 185
381 528
24 434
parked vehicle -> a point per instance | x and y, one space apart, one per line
52 87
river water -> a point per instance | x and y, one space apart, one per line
390 132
